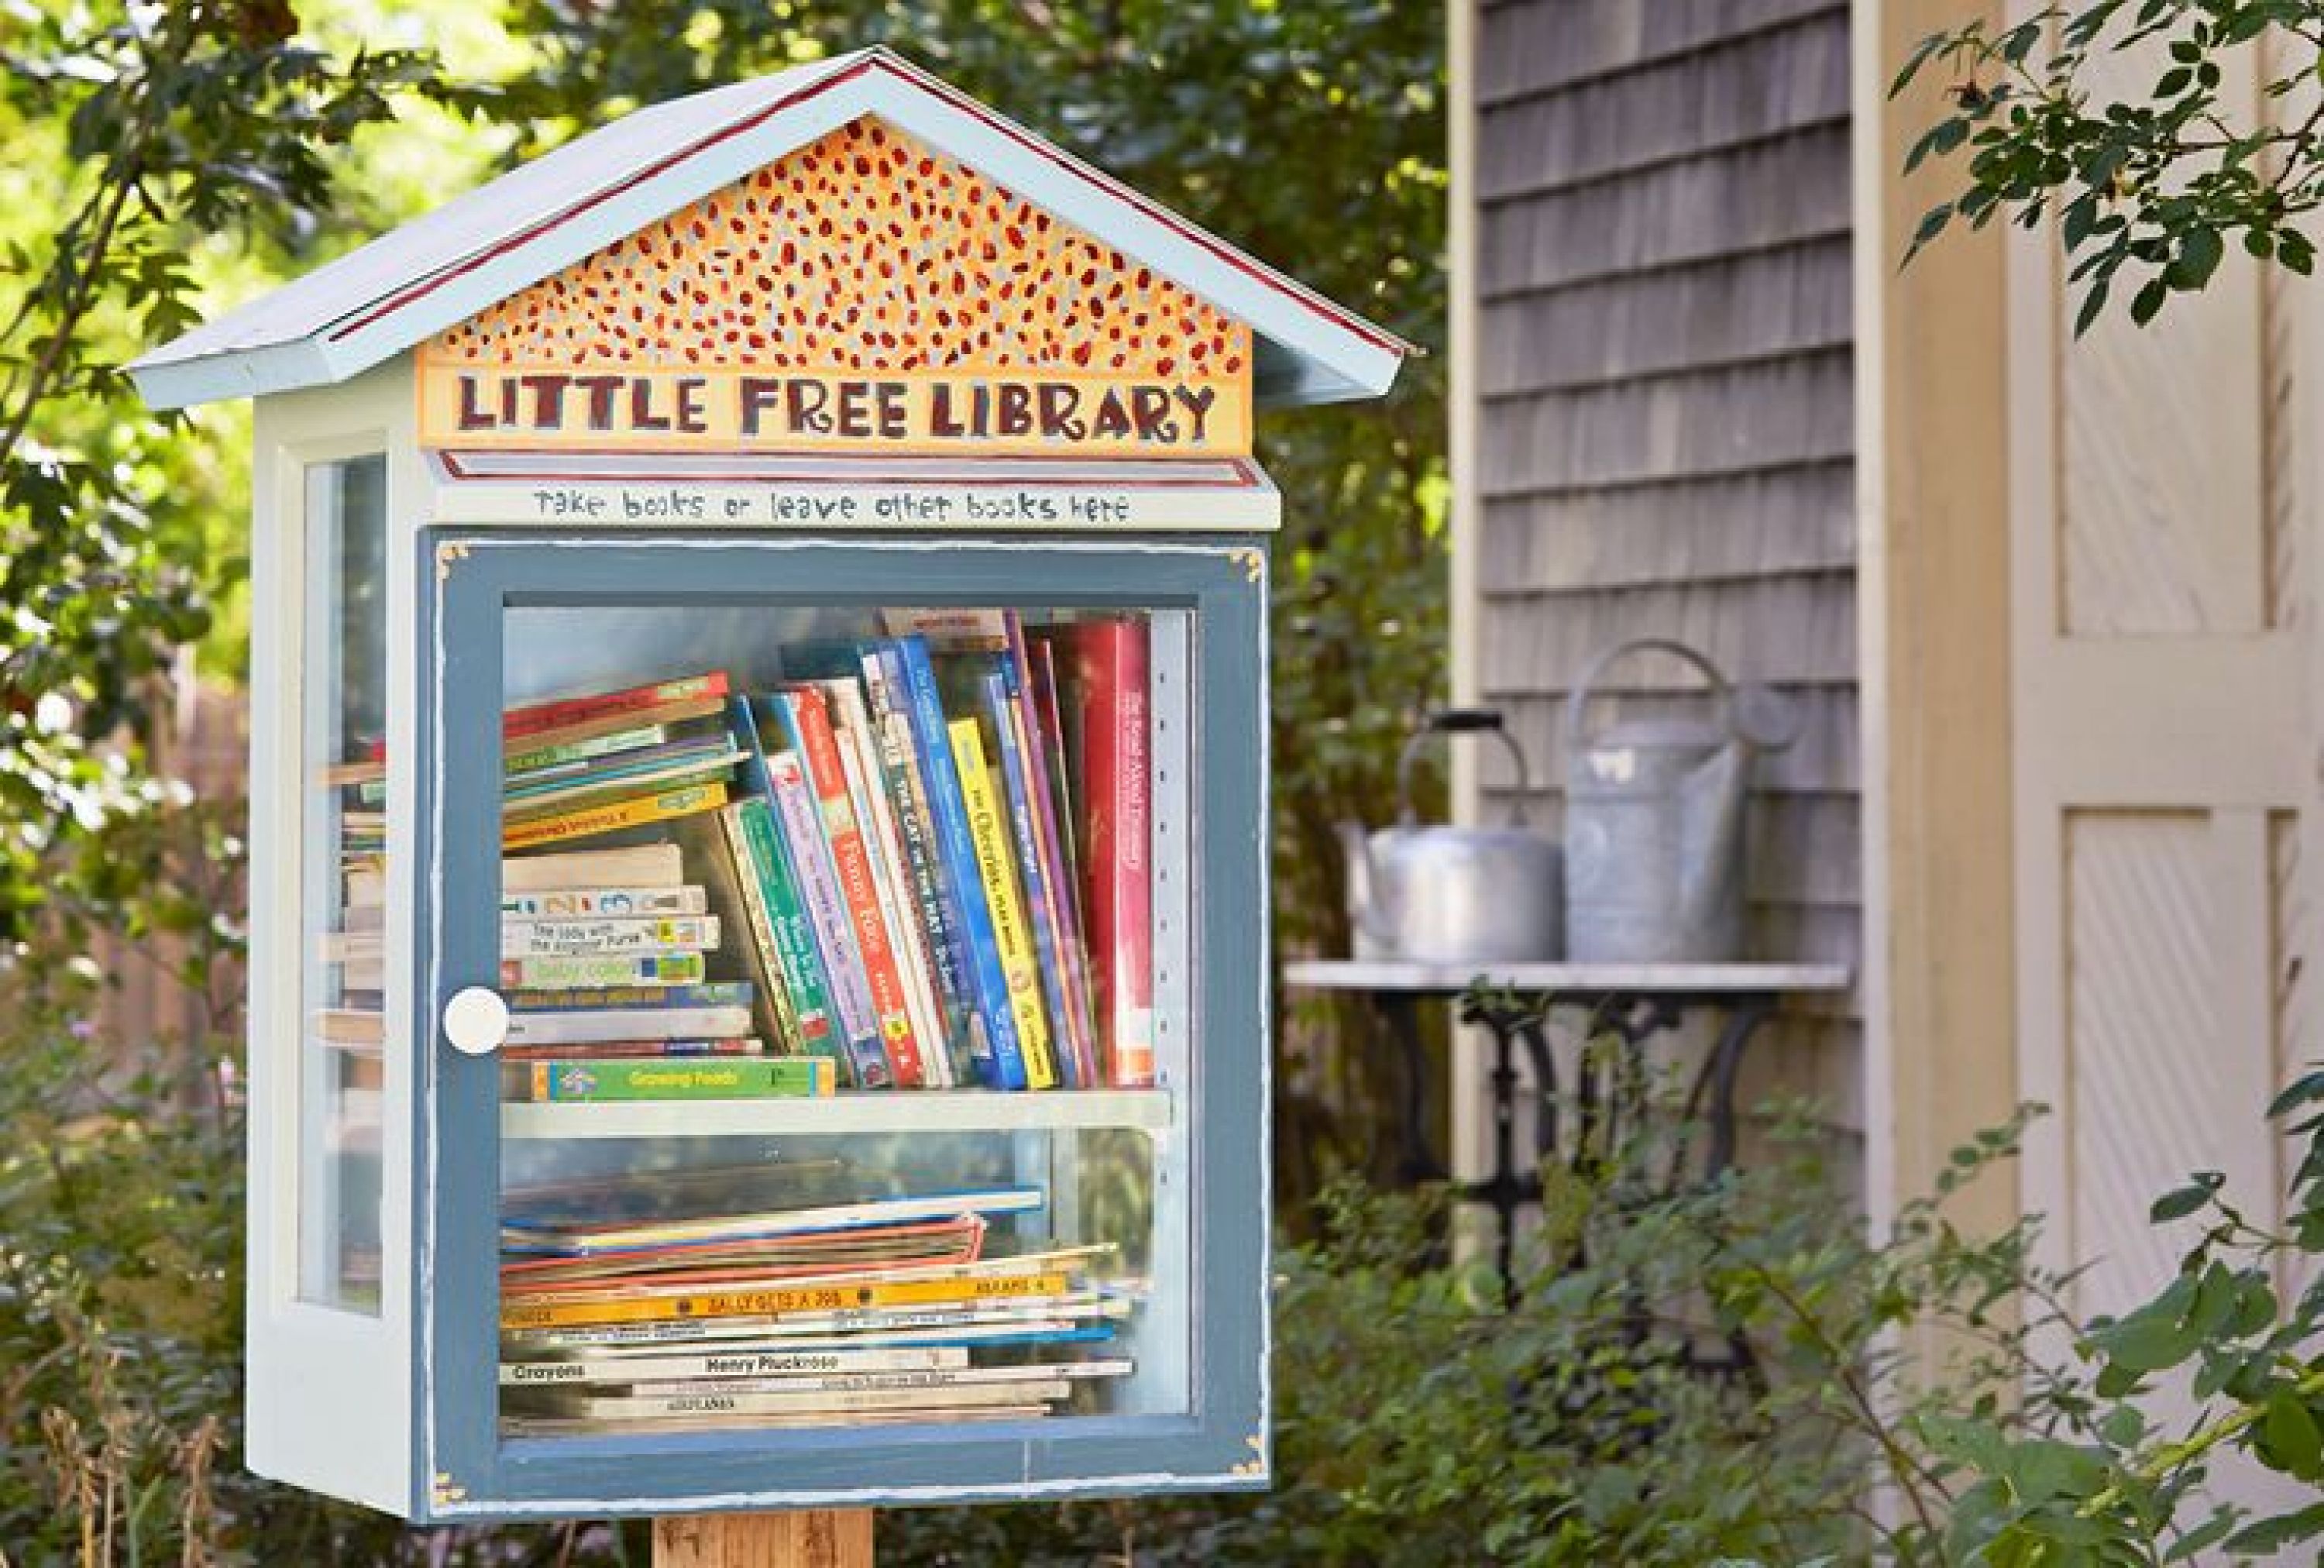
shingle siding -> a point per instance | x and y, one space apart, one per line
1665 428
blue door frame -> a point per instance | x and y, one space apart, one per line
462 1468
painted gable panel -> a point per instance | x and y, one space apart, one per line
865 257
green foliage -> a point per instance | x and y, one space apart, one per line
1604 1416
2248 1356
158 131
1926 1398
2148 190
121 1321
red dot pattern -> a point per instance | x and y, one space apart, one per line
864 251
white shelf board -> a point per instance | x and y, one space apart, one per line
899 1111
1650 979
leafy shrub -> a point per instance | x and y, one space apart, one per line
1606 1415
2248 1357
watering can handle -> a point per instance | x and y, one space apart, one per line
1451 722
1580 699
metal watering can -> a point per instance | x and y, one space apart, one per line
1654 820
1440 894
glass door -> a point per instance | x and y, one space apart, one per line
835 923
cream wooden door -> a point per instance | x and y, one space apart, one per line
2165 756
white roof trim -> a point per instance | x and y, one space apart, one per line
534 222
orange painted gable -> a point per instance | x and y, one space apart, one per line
863 290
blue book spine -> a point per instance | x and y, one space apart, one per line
996 1050
1016 786
908 791
751 772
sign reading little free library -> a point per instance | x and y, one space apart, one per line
730 409
862 292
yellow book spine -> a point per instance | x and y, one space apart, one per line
997 869
788 1300
596 819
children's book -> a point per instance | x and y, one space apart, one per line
993 1039
1019 962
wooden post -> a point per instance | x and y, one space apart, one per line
812 1538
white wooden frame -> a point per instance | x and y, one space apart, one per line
353 1442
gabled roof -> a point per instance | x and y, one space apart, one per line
440 269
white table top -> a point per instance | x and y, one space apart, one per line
1592 979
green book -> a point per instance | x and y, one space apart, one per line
676 1078
535 757
795 948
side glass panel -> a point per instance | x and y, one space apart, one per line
343 840
851 1028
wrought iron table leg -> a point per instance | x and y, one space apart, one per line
1401 1013
1509 1188
1545 1087
1719 1073
1504 1189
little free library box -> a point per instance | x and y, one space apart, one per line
759 815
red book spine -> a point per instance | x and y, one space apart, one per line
547 715
1111 662
852 862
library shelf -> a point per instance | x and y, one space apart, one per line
907 1110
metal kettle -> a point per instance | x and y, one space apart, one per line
1439 894
1654 820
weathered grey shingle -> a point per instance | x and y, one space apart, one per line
1665 441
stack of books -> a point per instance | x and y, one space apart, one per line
606 953
886 1310
919 859
582 766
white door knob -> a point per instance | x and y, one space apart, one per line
477 1020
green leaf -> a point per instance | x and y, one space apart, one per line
2202 1537
2148 300
1921 53
2290 1440
2273 1534
2305 1089
2200 249
2181 1201
2093 305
